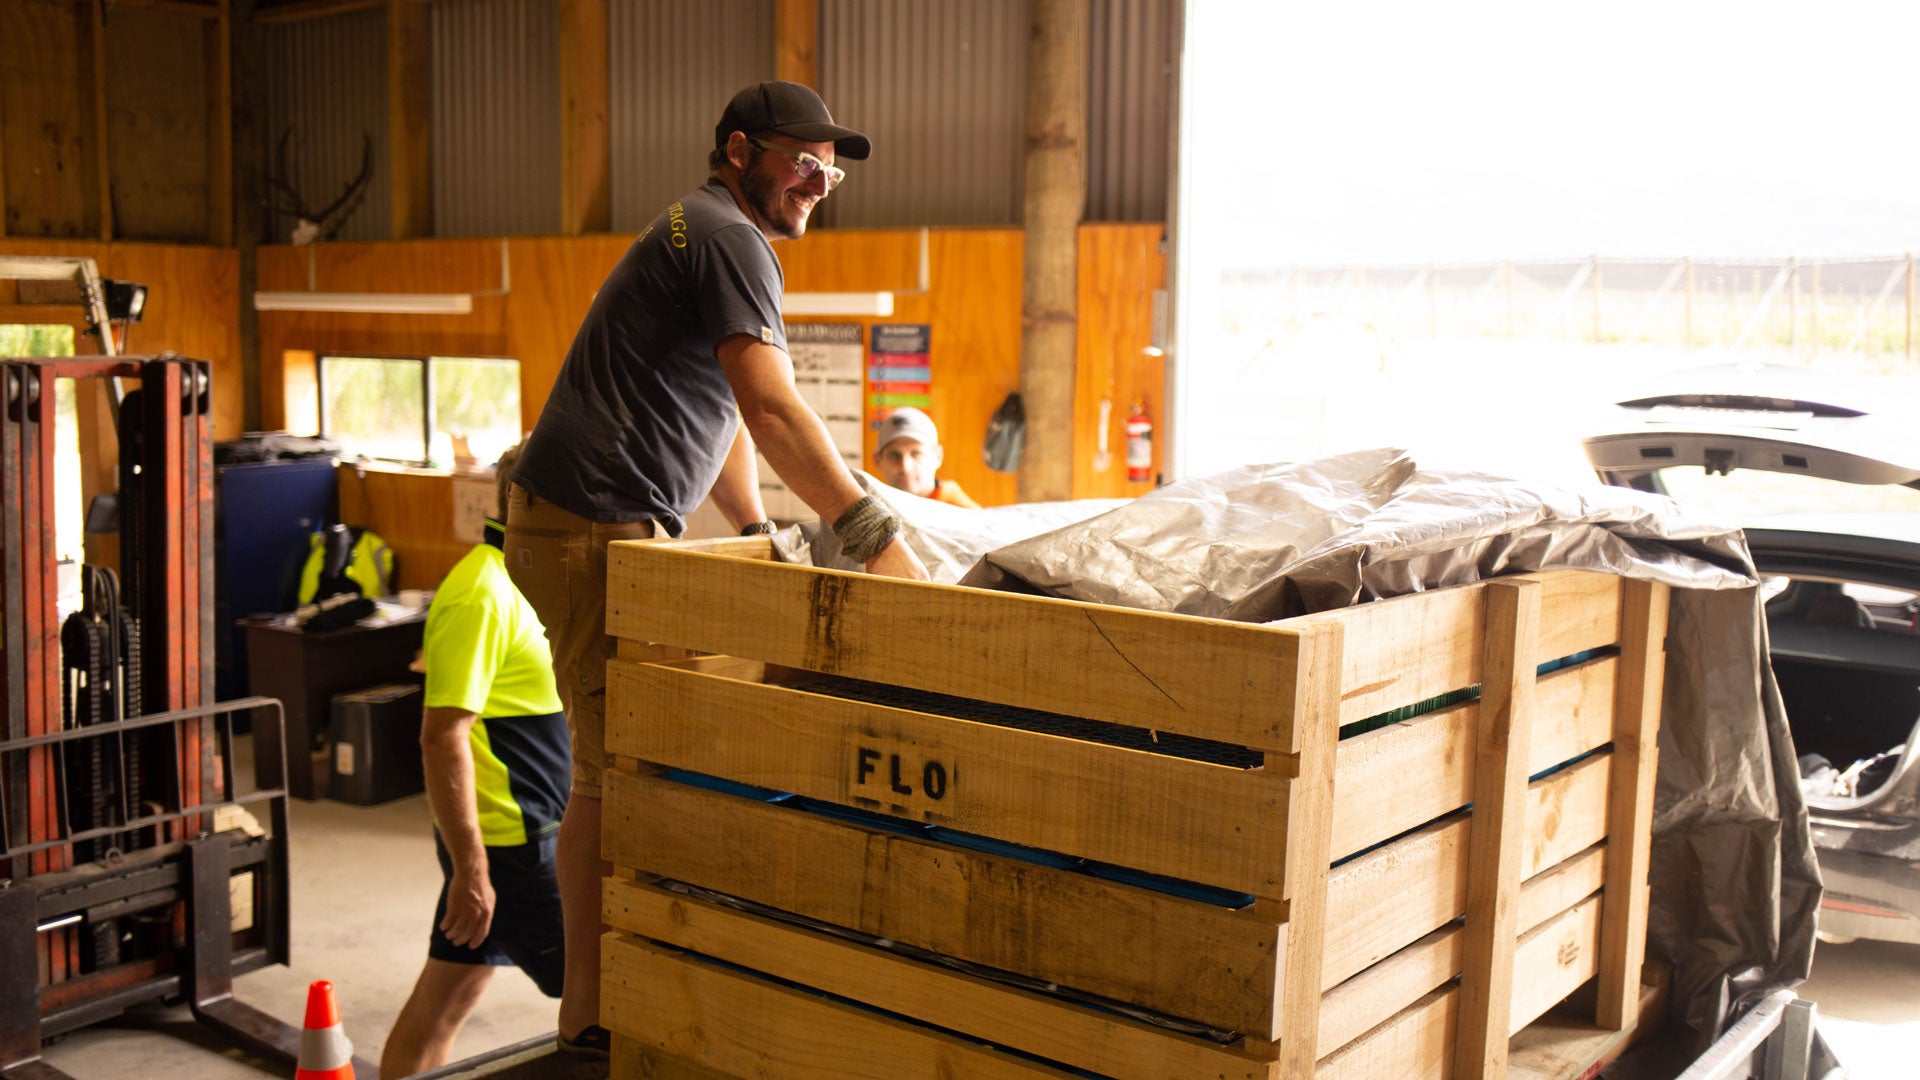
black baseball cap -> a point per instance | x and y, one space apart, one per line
789 109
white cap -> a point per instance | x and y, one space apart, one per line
906 422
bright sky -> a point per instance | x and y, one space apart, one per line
1410 130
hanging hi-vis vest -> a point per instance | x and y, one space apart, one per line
346 559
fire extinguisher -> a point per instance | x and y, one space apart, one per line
1139 442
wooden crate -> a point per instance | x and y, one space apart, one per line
1525 808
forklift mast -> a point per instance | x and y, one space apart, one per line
125 839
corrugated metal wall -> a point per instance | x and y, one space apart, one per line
941 88
939 85
496 117
327 85
673 64
1130 109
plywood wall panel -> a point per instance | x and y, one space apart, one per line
1120 267
193 295
44 120
157 124
413 513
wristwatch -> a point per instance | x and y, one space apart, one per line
758 528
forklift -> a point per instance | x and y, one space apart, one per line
134 867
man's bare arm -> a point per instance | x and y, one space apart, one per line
796 442
736 494
449 767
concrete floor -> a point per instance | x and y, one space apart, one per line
364 884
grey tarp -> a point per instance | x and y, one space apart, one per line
1735 886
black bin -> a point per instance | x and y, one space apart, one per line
375 734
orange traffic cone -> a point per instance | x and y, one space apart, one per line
325 1053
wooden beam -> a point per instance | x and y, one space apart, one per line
1309 825
193 9
219 52
1499 826
303 10
1056 199
1636 755
94 92
796 41
409 102
586 179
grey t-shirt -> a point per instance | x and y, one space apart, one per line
641 416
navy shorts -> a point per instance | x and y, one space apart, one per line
526 913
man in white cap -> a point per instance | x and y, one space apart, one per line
908 455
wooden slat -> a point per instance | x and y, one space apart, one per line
1501 746
1350 1009
743 1026
100 163
635 1060
1162 952
1636 755
1551 961
1563 1045
302 10
1186 819
1309 831
1038 1024
1411 648
1204 677
1382 900
586 184
1417 1044
1395 778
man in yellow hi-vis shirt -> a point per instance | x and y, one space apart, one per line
498 768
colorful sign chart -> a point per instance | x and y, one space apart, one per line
899 369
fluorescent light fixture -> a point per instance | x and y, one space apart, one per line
367 303
837 303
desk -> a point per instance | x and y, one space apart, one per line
305 670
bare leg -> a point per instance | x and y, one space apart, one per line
577 861
423 1034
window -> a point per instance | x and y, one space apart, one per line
412 409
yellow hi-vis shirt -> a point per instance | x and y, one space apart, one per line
486 654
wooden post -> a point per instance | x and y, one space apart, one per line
1596 299
1689 330
99 211
247 141
1636 754
409 122
796 41
1310 827
1793 305
219 53
1055 200
1510 323
1498 828
1813 311
586 180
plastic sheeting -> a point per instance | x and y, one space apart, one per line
1734 883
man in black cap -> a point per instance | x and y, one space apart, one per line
683 342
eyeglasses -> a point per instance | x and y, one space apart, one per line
805 164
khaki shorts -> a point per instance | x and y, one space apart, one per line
558 560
